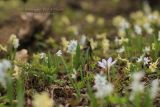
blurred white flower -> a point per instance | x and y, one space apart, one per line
102 86
105 45
121 32
59 53
16 43
120 22
83 40
140 59
120 41
42 55
138 29
154 88
4 66
93 43
152 17
121 50
136 85
146 60
124 24
73 75
148 28
14 40
72 46
137 76
143 59
146 49
106 64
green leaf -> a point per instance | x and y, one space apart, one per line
20 93
77 57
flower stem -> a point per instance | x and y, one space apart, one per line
108 71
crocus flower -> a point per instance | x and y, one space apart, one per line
83 40
121 50
73 75
146 49
42 55
106 64
14 40
140 59
146 60
138 29
72 46
4 66
59 53
136 86
102 86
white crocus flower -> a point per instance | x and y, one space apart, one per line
152 17
146 49
72 46
73 75
138 29
4 66
14 40
148 28
137 76
121 50
146 60
106 64
102 64
16 43
143 59
83 40
154 88
140 59
59 53
124 24
102 86
136 86
42 55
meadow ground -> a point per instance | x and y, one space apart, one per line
79 54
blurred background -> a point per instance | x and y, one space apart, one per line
40 24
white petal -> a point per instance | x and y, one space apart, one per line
109 60
104 62
113 62
101 65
